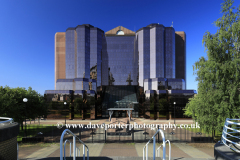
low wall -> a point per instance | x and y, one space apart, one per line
222 152
8 141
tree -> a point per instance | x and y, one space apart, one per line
163 105
218 74
12 105
153 102
79 104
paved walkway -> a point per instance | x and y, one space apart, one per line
193 152
179 150
44 152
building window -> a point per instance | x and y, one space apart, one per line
120 32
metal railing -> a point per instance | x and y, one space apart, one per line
6 120
159 149
69 148
224 139
70 153
74 146
145 148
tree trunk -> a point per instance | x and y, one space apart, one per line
22 125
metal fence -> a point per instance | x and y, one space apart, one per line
100 135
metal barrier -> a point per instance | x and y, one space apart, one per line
70 153
6 120
70 147
154 144
224 139
74 146
159 149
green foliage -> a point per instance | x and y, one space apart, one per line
91 101
78 102
163 105
152 103
55 105
218 74
12 105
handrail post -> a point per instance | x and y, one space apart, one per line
61 146
164 150
169 149
105 135
70 149
144 153
87 154
64 148
147 152
83 152
154 143
159 151
74 148
154 146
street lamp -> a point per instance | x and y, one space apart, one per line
174 111
65 103
25 101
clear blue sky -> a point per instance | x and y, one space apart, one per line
27 29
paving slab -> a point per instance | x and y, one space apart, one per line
191 151
44 152
133 151
27 150
95 149
119 149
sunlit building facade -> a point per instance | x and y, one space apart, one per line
153 57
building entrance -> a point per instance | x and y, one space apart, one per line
119 114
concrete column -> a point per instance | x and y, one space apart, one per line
129 115
110 114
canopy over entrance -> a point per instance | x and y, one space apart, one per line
122 109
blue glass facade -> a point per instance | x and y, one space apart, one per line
176 84
157 51
143 37
120 60
125 59
81 46
70 53
105 73
83 52
96 36
169 52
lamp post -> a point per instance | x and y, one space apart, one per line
65 103
25 101
174 111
